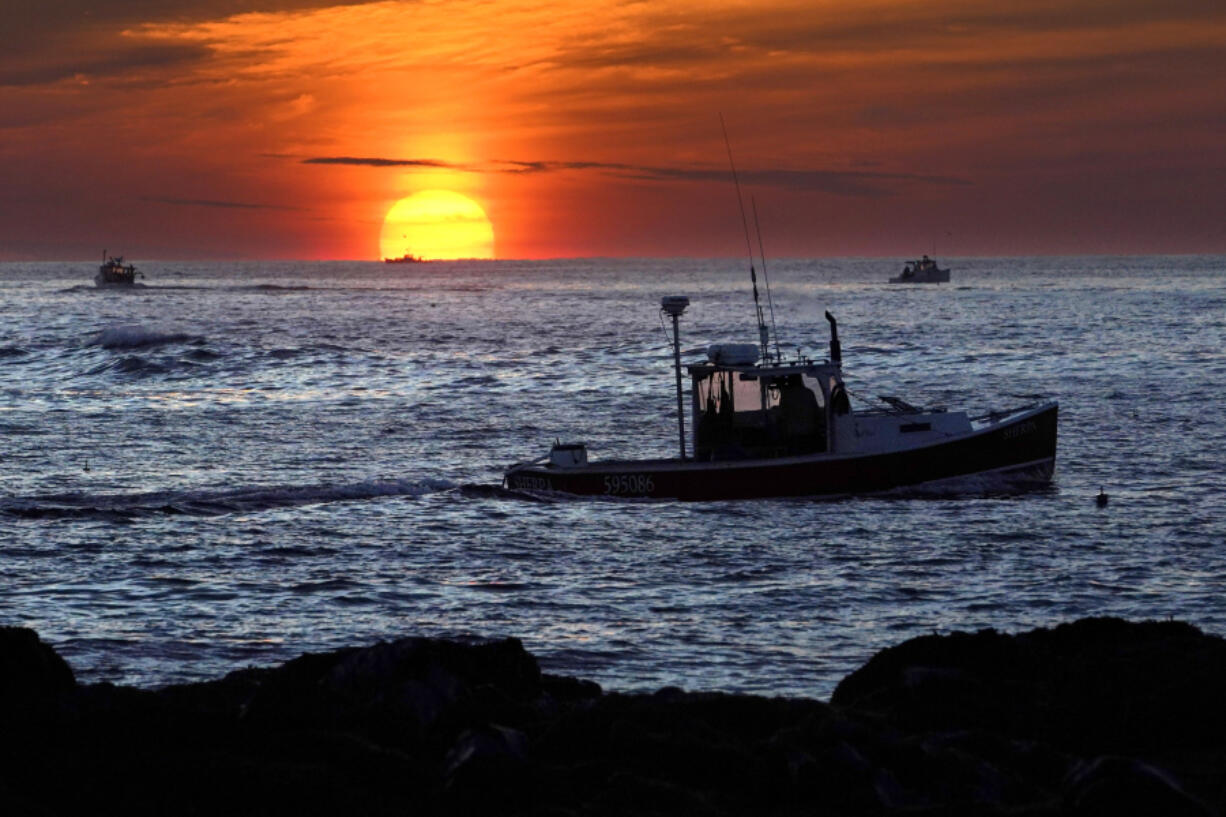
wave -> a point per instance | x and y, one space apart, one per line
1004 483
20 429
12 351
471 381
134 336
131 364
203 355
122 507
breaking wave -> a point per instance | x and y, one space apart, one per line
137 337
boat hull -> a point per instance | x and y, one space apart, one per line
114 280
1020 448
940 276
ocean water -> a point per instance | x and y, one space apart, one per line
240 462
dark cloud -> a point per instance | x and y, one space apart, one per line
25 16
48 41
514 166
86 64
365 161
225 205
823 29
841 182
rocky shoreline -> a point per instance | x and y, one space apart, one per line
1094 717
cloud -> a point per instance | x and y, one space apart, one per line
228 205
366 161
840 182
864 28
24 16
48 41
87 63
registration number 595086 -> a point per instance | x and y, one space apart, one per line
629 485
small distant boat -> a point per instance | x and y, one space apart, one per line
405 259
923 271
114 272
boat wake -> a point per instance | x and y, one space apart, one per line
149 289
493 491
121 507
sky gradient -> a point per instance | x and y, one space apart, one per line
182 129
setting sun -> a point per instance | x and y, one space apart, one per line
437 225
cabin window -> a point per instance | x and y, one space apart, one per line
735 395
839 401
814 385
740 414
800 419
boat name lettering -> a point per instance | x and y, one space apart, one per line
526 483
629 485
1028 427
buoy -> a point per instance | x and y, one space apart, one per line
1101 499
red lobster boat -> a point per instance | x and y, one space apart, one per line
765 427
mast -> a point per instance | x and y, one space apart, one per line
763 332
770 302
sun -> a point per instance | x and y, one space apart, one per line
437 225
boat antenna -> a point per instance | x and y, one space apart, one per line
674 305
763 335
770 303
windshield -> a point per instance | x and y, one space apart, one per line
739 414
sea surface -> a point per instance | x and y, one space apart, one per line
239 462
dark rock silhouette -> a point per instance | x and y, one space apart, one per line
29 668
1100 716
1101 684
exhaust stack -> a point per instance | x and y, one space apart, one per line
836 351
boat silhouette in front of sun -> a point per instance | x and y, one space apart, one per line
768 427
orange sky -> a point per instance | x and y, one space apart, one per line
288 128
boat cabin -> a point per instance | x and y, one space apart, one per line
114 271
742 410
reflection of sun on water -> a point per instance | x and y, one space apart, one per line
437 224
